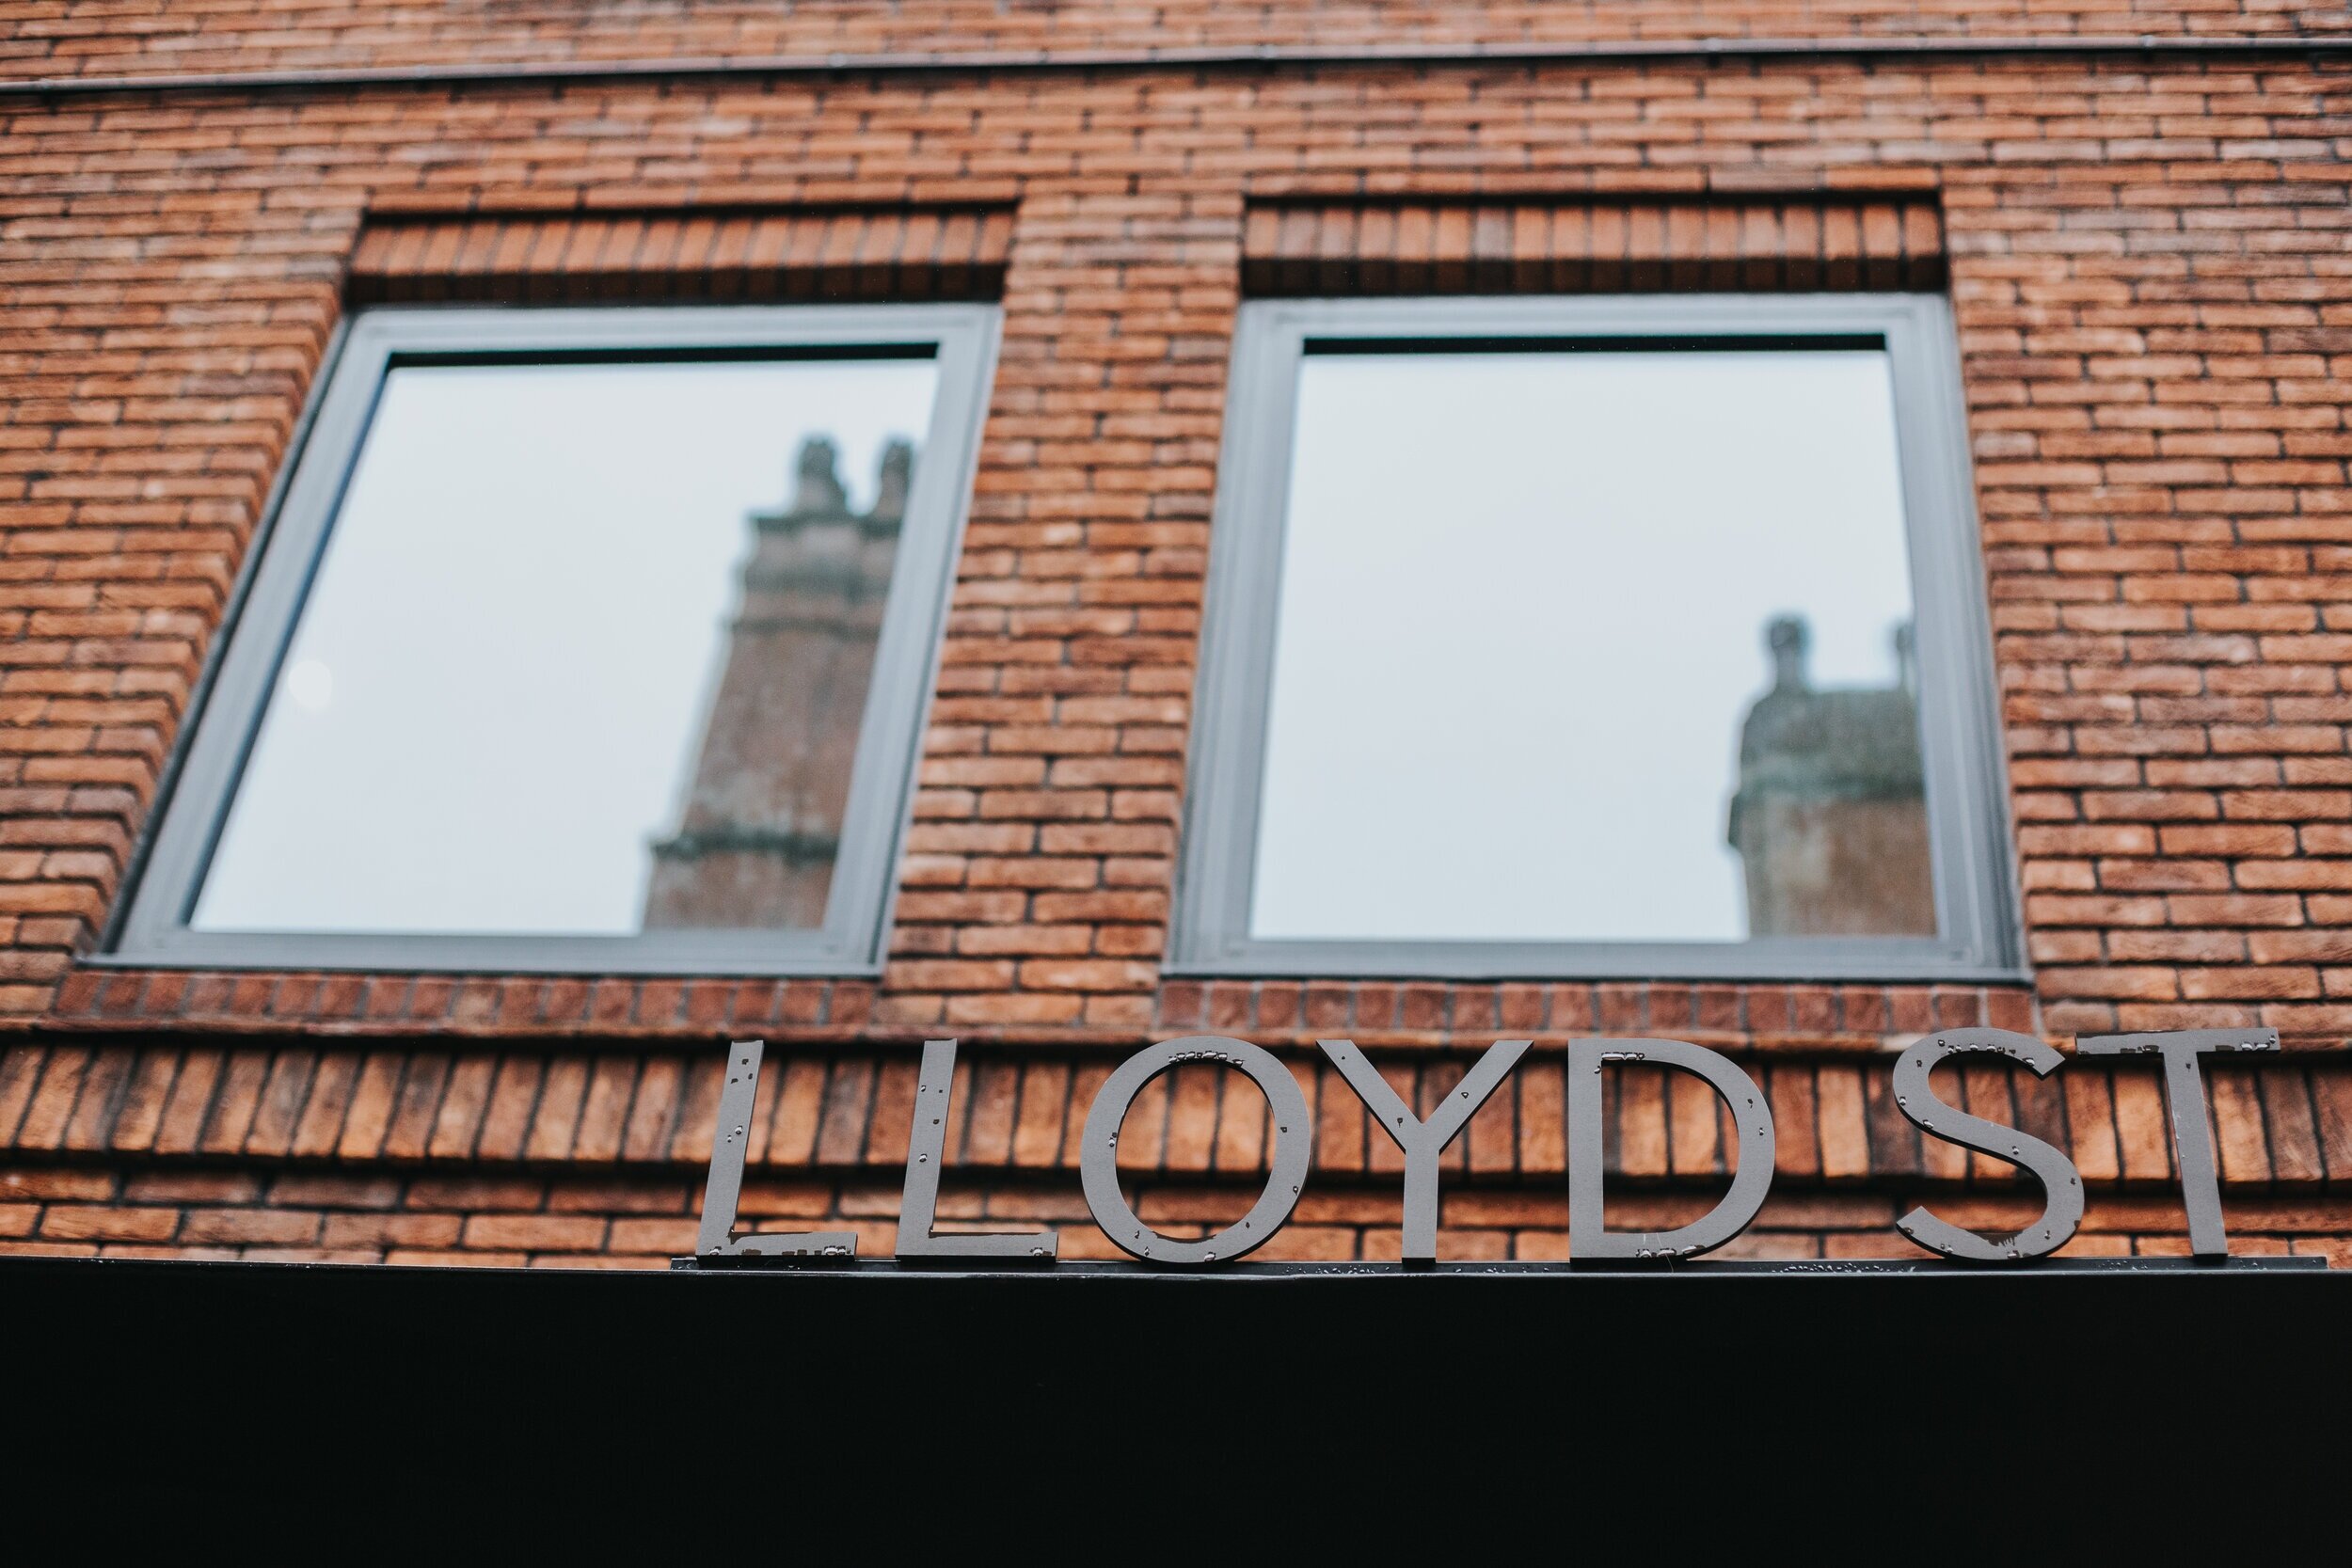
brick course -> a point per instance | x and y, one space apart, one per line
685 253
2147 261
43 39
2282 1127
1722 244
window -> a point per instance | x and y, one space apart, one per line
1584 637
582 640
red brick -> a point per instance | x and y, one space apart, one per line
536 1232
249 1226
385 1232
74 1222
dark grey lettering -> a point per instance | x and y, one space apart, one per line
2062 1186
1292 1132
918 1204
2184 1106
1753 1173
1424 1141
728 1144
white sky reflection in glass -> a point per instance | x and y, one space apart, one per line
1522 615
496 692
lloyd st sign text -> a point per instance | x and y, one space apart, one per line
1425 1139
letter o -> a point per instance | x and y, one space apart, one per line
1294 1147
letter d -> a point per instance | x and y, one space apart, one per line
1587 1239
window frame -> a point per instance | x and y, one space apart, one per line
1978 926
153 928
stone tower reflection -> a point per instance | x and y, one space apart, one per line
1830 816
760 826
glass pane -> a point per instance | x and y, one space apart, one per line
586 654
1594 646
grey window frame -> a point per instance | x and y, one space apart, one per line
152 929
1978 915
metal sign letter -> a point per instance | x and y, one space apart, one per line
2185 1105
927 1144
2062 1205
1424 1141
1752 1178
1293 1145
717 1238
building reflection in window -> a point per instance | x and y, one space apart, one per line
1829 815
759 826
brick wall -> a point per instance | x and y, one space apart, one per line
2147 261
